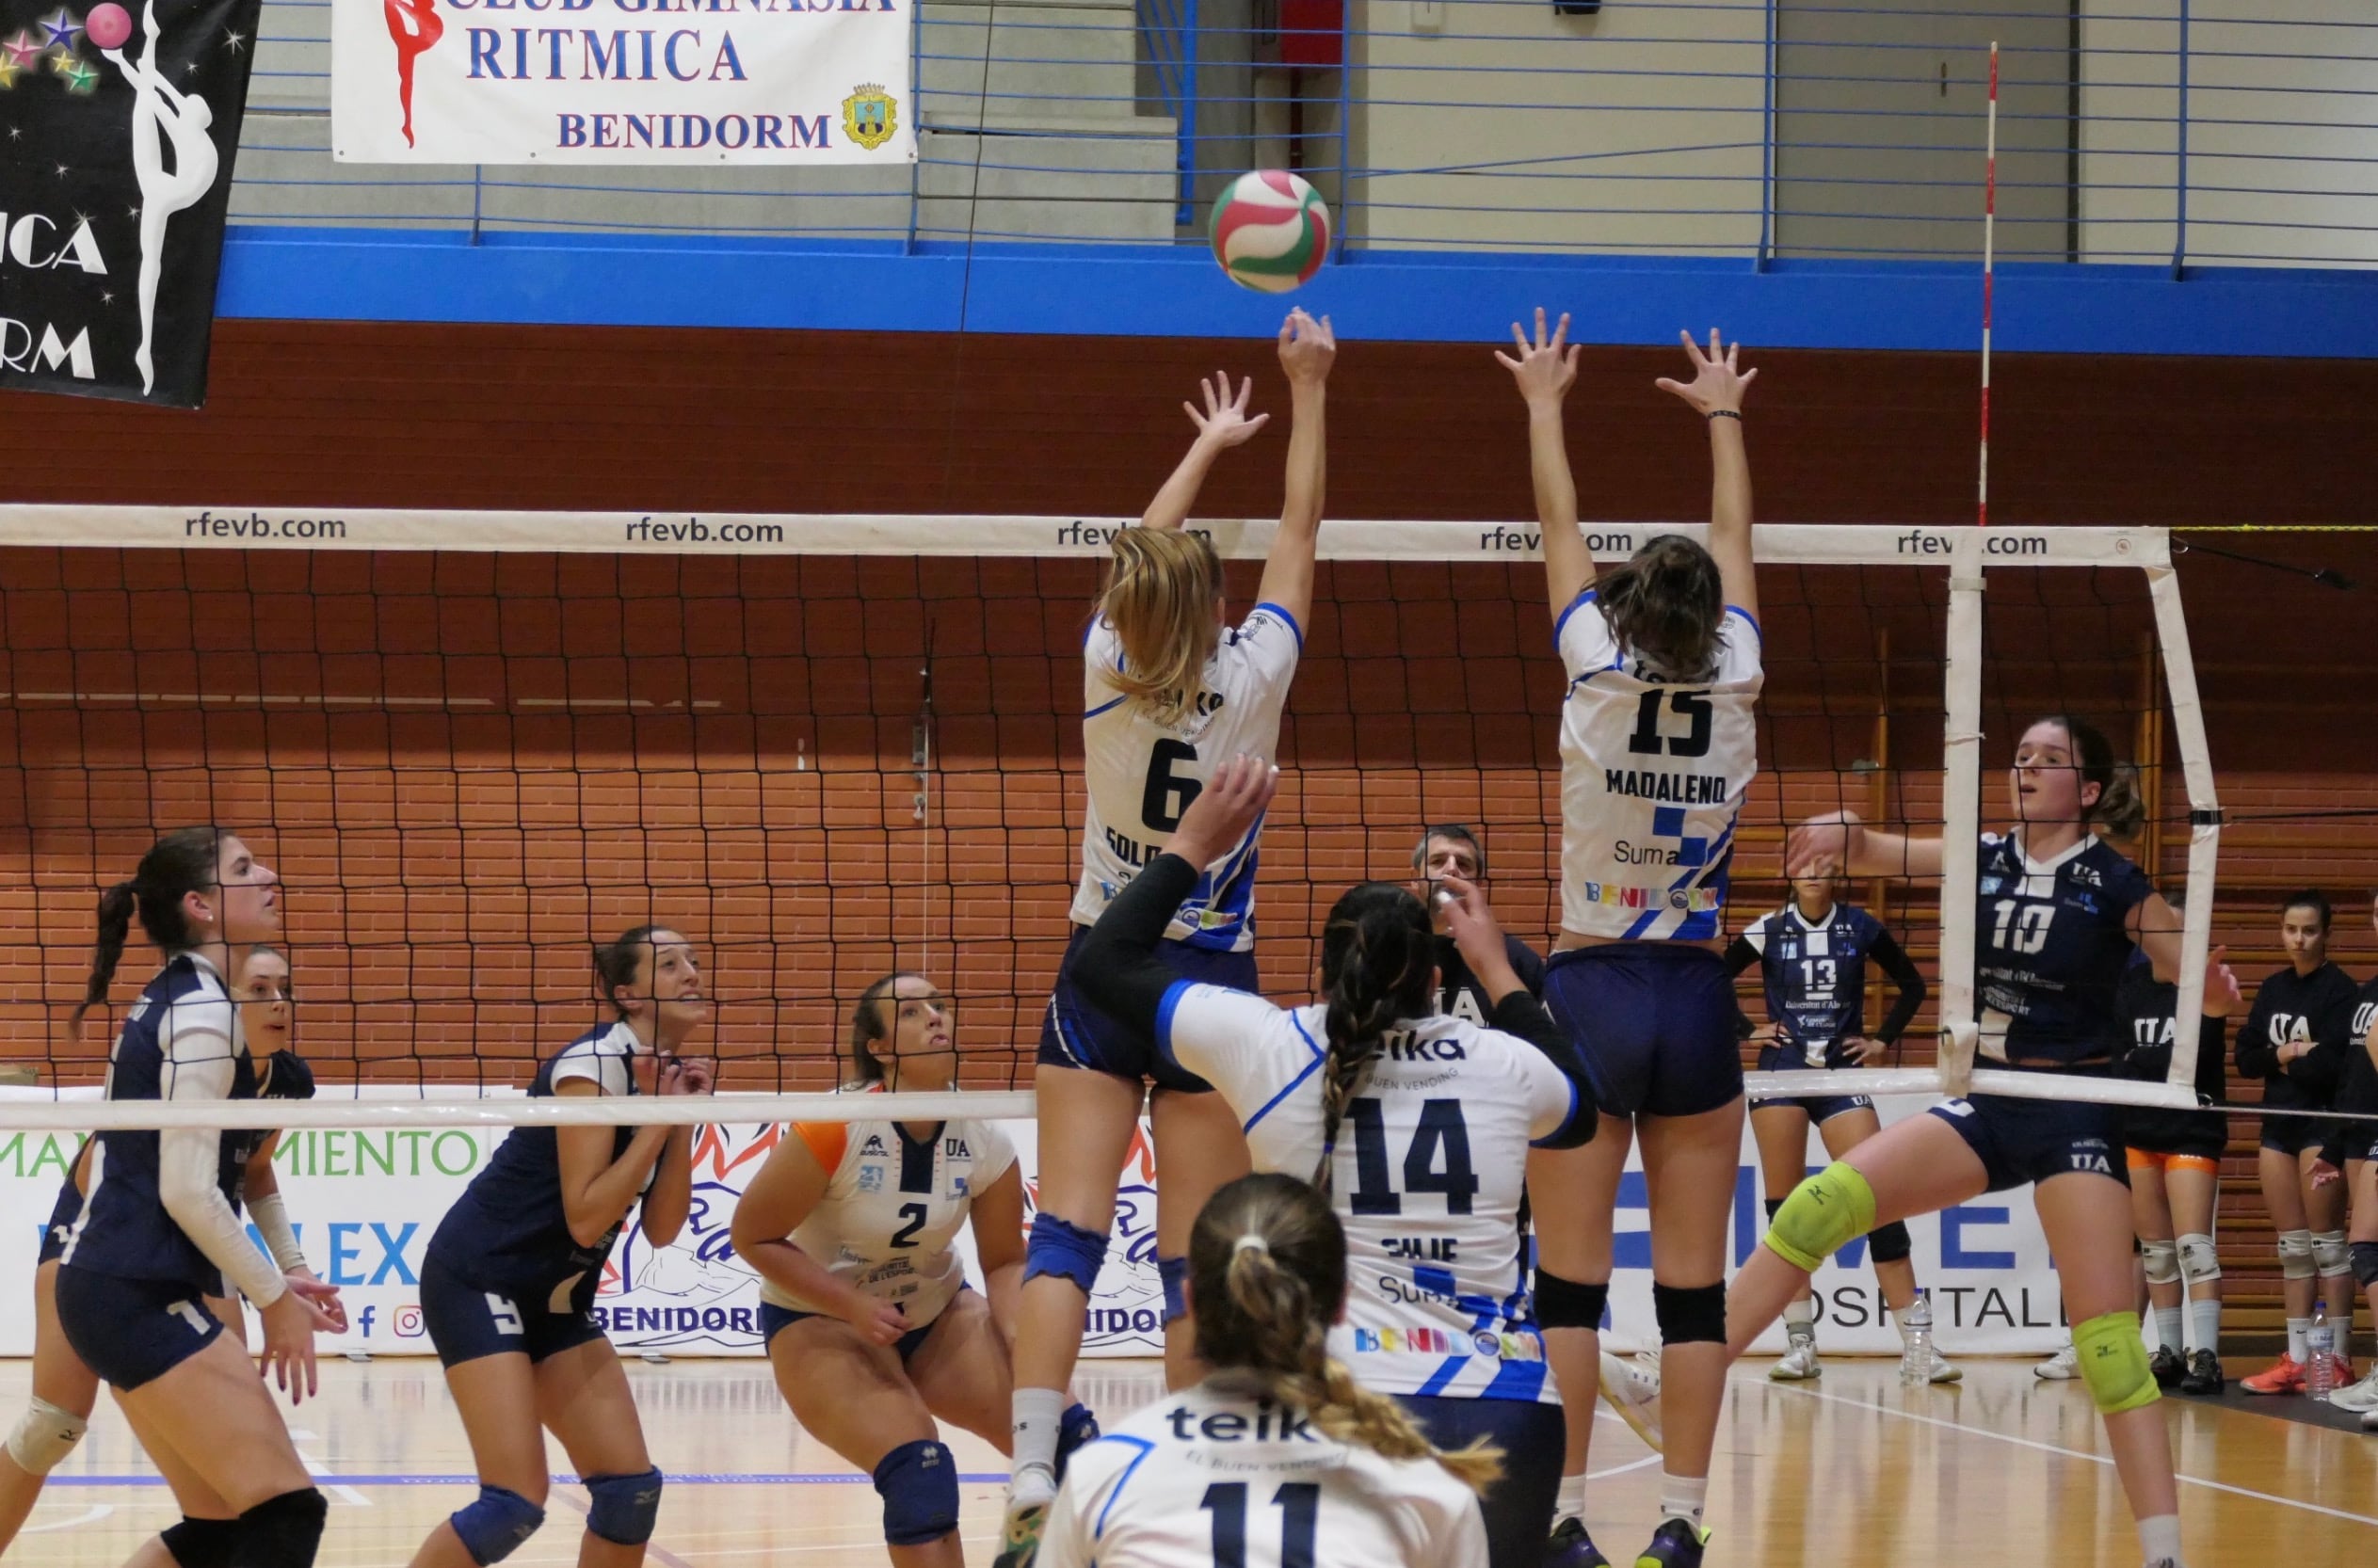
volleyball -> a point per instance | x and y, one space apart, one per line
1269 231
108 25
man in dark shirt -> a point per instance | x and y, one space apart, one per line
1451 849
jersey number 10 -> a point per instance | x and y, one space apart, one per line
1299 1505
2023 927
1692 707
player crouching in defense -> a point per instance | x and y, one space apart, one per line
871 1326
1279 1459
507 1287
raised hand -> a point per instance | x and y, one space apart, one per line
1224 810
1547 367
1306 349
1718 380
1225 421
1470 920
1822 845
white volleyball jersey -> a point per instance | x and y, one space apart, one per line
1143 775
893 1207
1215 1478
1653 776
1430 1161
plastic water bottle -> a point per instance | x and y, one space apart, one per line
1915 1326
2319 1355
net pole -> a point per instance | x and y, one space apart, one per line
2204 816
1989 275
1961 809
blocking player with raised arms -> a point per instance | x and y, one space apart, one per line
1169 690
2295 1039
1657 748
1811 956
2174 1161
870 1326
1417 1124
508 1283
1280 1459
156 1235
2057 912
1453 850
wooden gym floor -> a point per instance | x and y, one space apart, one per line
1852 1471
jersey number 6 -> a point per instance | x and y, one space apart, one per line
1168 793
1694 707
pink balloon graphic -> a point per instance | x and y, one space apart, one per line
108 25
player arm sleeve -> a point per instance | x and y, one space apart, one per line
1910 981
1274 642
1574 1113
1741 955
2319 1070
199 1067
1118 970
2253 1044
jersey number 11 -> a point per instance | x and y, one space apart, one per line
1299 1505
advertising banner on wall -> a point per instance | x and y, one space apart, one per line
621 82
120 129
365 1201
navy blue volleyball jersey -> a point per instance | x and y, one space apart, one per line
2052 938
508 1232
290 1078
2151 1008
182 1040
1815 976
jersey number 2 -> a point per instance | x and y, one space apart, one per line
1299 1505
907 1235
1168 793
1441 1128
1692 707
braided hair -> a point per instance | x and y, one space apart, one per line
1267 1276
1378 956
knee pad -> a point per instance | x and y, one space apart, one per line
2295 1255
493 1527
2364 1255
918 1482
2329 1254
1067 1250
1890 1243
1076 1427
1823 1213
2163 1261
1569 1302
43 1435
1174 1274
201 1543
1687 1314
283 1531
624 1508
2113 1362
2197 1258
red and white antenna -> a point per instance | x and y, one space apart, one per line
1990 255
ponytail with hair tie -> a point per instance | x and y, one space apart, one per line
1377 955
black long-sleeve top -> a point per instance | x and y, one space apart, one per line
2317 1007
1814 975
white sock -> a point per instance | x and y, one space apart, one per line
1572 1501
2160 1539
2204 1313
2168 1329
2298 1330
1684 1497
1036 1413
1800 1318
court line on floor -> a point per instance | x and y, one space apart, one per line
2075 1453
89 1516
724 1477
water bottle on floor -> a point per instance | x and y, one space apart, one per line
1915 1333
2319 1355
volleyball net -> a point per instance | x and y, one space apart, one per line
825 748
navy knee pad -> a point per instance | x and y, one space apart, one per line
201 1543
1174 1272
493 1529
282 1531
1689 1314
1065 1248
1889 1243
918 1482
1076 1427
2365 1257
1569 1302
625 1508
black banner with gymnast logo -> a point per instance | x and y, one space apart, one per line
118 124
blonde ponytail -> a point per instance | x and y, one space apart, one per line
1160 589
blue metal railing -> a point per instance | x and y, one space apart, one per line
1168 40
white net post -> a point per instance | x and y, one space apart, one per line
2204 817
1961 809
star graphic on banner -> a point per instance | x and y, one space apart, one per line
61 171
9 69
79 76
62 28
106 296
235 42
23 51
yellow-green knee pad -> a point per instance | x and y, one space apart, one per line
2113 1362
1825 1212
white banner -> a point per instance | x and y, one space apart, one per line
364 1204
621 82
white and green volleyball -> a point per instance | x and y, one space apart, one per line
1269 231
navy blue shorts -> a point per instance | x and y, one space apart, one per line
1781 1058
1075 1034
132 1331
1519 1508
466 1323
773 1319
2295 1134
1656 1022
2022 1140
2203 1134
63 1214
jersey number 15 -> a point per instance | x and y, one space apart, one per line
1692 707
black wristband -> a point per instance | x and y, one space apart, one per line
1733 414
